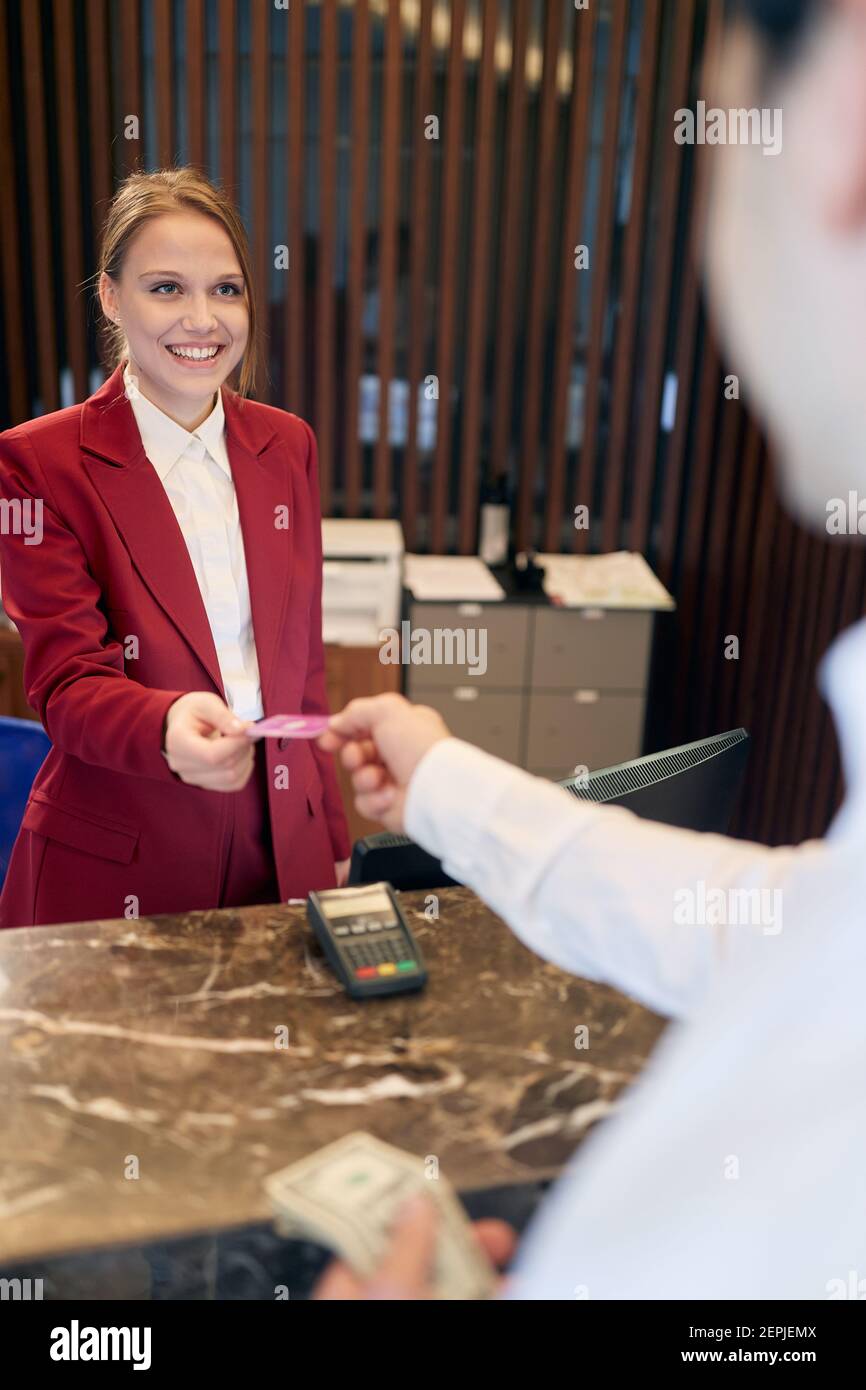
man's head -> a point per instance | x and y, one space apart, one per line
786 236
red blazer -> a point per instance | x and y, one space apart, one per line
106 818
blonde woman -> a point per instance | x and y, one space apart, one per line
174 596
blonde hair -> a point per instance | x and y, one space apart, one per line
142 196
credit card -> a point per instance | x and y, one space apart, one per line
289 726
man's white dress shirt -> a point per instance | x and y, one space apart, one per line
735 1167
195 471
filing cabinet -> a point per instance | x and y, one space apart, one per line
562 688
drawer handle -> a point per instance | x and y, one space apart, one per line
586 697
465 692
469 610
592 615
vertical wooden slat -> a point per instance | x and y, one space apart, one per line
359 146
539 280
294 359
816 740
791 619
741 556
577 153
227 106
98 107
194 80
260 157
325 350
10 261
721 513
448 272
44 250
773 627
693 523
130 94
599 270
685 359
509 259
790 793
163 78
71 249
388 253
479 260
654 355
751 632
623 363
422 149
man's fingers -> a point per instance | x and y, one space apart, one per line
369 778
374 805
361 717
357 752
497 1239
406 1268
337 1282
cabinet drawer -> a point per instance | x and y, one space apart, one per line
595 649
499 643
489 719
568 731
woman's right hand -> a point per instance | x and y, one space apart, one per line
205 744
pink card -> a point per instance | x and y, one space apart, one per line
289 726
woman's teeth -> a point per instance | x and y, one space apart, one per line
196 354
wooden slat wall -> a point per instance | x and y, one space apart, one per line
552 121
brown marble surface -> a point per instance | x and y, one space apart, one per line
151 1047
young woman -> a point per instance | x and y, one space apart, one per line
173 597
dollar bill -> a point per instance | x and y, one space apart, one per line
346 1197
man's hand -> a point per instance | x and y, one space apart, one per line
405 1272
341 870
381 741
205 743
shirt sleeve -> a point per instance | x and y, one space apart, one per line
595 889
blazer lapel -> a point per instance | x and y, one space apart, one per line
115 461
262 475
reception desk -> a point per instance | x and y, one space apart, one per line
153 1072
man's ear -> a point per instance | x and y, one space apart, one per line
827 106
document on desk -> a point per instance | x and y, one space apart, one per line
346 1196
454 577
622 579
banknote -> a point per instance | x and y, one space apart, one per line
347 1195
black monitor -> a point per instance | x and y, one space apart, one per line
694 786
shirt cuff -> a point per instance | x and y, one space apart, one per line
451 800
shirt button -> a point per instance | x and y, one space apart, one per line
196 449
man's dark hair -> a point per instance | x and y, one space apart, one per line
781 23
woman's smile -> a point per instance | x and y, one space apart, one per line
195 358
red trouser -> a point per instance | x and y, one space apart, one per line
250 873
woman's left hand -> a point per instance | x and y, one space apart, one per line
341 869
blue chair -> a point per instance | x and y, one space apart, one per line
24 745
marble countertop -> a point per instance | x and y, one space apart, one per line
152 1072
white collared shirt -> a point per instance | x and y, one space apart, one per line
195 471
736 1164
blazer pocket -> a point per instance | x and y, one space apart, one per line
90 834
315 789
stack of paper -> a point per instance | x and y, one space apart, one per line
622 579
455 577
